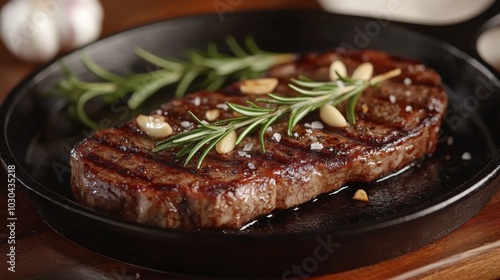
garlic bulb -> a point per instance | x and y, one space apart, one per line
36 30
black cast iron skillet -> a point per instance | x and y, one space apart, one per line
331 233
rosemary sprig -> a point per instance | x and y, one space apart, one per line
312 95
211 67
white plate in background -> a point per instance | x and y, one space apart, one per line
429 12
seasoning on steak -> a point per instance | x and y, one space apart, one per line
114 170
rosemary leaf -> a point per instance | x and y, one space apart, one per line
235 47
80 107
149 88
205 153
351 104
248 111
252 45
247 130
263 132
158 61
187 79
296 116
218 135
186 150
99 71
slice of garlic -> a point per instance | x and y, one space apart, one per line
212 114
258 86
155 126
361 195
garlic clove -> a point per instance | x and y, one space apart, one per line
28 33
80 24
34 31
212 114
339 67
363 72
226 144
332 116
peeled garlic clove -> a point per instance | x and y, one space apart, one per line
154 126
212 114
258 86
363 72
226 144
339 67
332 116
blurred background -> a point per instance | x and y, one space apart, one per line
123 14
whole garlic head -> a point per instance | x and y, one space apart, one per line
36 30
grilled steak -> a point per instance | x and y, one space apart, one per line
114 170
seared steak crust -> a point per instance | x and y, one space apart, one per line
115 171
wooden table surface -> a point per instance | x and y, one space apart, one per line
470 252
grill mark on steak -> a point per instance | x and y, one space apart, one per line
114 170
166 160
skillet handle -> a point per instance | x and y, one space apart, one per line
463 35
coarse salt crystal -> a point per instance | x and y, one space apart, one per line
242 153
407 81
449 141
222 106
466 156
197 101
317 125
186 124
269 129
277 137
251 165
316 146
296 134
248 147
392 98
408 108
309 131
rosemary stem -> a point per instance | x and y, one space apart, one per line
101 87
281 110
385 76
321 98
